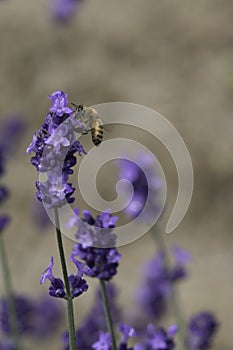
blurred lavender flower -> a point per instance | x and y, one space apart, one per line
4 220
99 262
63 10
158 279
131 171
7 344
11 131
158 339
201 329
57 288
126 332
54 145
87 332
104 341
34 317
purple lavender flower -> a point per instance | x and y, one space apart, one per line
4 220
4 193
142 184
103 343
47 317
99 262
126 332
34 317
24 311
158 279
57 288
11 131
60 103
201 329
55 146
63 10
158 339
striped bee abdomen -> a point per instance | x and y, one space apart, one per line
97 131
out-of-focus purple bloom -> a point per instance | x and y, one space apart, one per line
4 193
142 182
11 132
6 344
157 284
103 343
126 332
57 287
24 311
36 318
201 329
88 330
55 146
47 316
63 10
4 220
180 255
99 262
158 339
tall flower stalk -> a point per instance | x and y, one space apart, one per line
70 309
55 145
107 313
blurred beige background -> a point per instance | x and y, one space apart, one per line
173 56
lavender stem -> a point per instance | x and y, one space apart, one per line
108 313
70 311
9 295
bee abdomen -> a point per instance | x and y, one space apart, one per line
97 132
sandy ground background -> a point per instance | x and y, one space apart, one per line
173 56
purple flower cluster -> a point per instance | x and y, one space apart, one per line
55 146
104 341
63 10
142 182
87 332
158 339
93 233
158 279
11 130
57 287
38 318
201 329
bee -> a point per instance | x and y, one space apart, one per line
90 121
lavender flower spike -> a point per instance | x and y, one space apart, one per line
104 342
201 329
92 233
55 146
57 288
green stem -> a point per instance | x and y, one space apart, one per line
108 313
174 293
9 294
70 310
